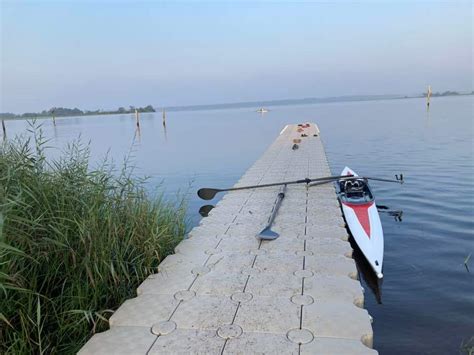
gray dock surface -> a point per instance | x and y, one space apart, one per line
225 291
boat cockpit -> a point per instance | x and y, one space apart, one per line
355 191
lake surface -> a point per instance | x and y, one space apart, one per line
427 294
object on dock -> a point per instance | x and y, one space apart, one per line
226 292
267 233
295 146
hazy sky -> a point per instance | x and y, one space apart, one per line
105 54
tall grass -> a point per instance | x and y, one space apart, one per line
75 242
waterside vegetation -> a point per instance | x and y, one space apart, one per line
73 112
75 242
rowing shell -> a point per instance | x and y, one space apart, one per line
363 221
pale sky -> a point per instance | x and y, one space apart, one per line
106 54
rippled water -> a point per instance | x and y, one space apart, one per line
427 294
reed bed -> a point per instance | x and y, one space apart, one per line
75 242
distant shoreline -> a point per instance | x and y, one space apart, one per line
74 112
306 101
250 104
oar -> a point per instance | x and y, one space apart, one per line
399 179
209 193
267 233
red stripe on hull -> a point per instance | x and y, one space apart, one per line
362 214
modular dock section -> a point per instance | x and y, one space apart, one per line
226 292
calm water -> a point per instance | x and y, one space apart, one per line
427 295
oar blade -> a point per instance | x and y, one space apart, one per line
268 234
207 193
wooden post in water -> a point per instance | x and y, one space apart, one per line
137 117
54 117
164 117
4 129
428 96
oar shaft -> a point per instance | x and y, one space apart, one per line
386 180
368 178
307 181
281 196
342 178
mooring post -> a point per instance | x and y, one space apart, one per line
164 117
137 117
428 96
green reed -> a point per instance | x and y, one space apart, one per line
75 242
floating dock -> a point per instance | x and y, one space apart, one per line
226 292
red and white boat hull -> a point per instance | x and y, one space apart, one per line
364 223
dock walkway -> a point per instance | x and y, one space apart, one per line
226 292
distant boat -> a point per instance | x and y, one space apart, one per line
262 110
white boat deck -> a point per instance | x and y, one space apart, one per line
226 292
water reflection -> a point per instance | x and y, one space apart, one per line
137 137
204 210
165 132
368 275
396 214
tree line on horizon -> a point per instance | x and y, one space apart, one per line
447 93
63 112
